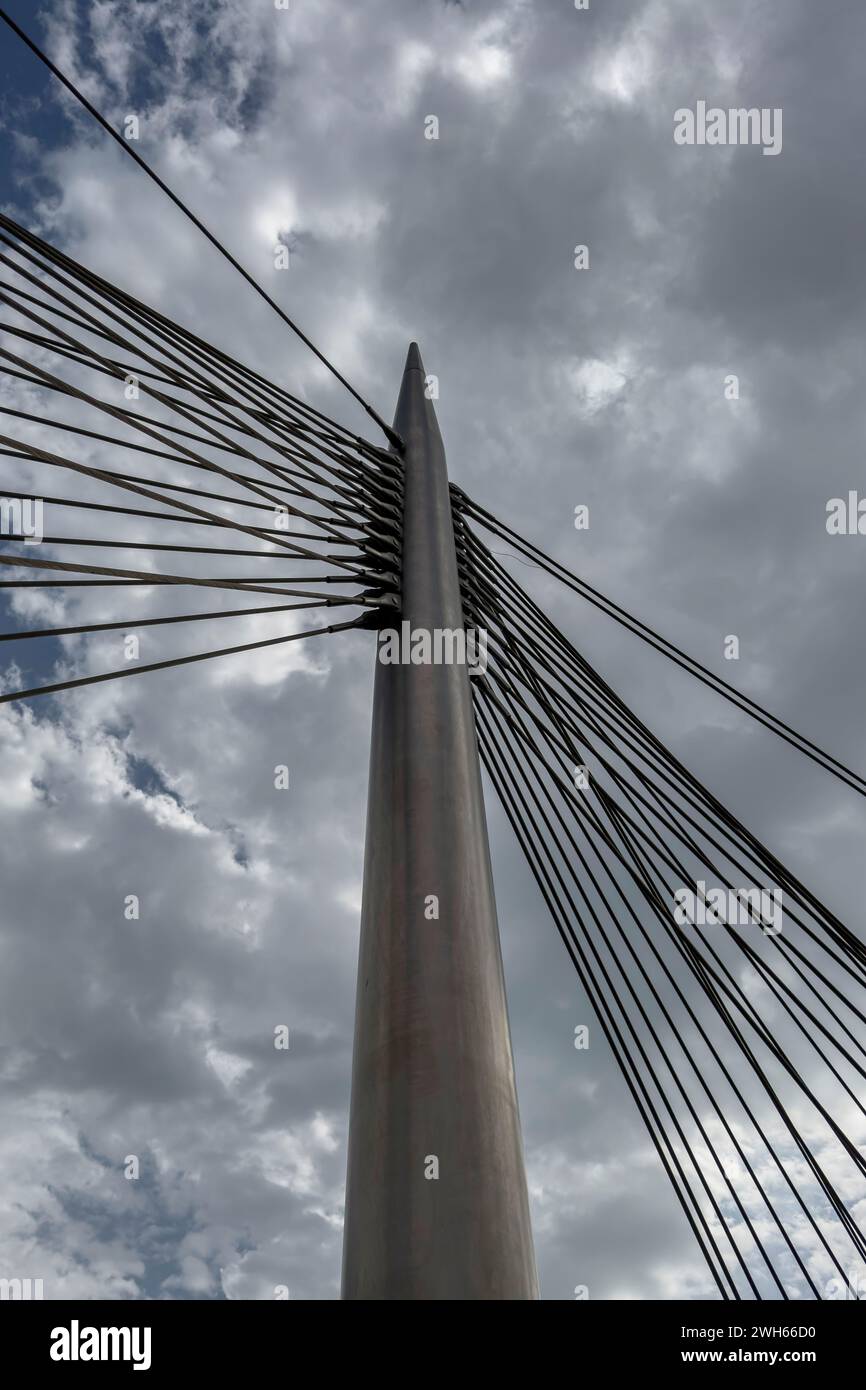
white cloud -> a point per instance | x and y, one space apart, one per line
596 384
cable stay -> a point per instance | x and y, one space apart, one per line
687 663
88 106
732 999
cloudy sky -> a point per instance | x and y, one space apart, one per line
558 387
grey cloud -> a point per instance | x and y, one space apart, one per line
706 518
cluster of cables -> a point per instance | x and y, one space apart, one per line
731 998
248 481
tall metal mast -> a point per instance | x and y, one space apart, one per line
436 1201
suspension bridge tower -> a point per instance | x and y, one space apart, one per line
436 1199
